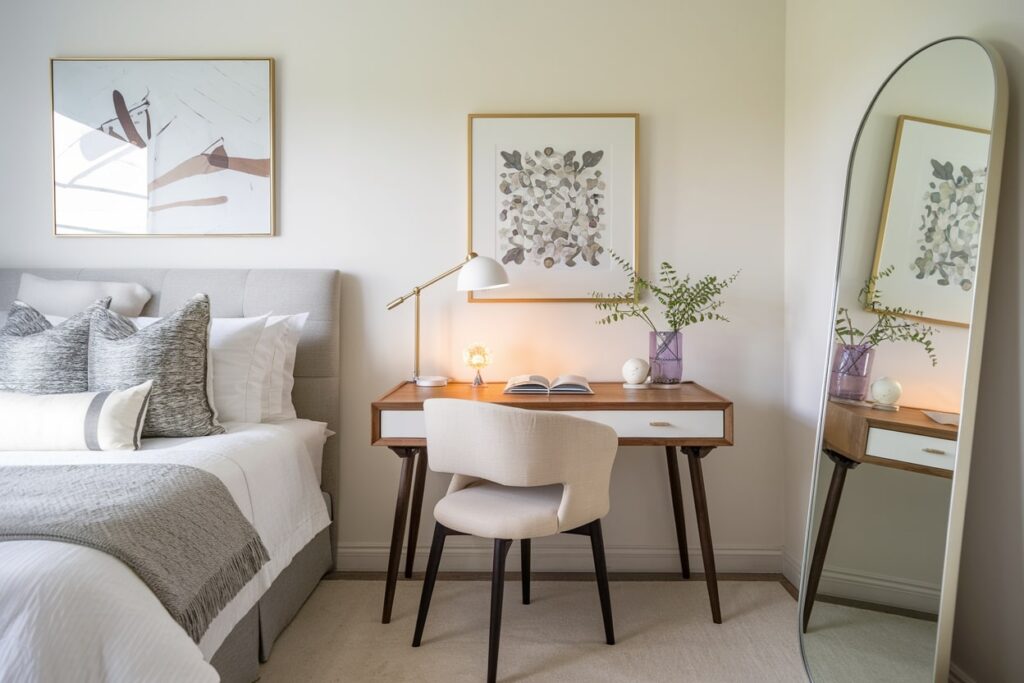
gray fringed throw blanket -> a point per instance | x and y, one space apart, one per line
175 526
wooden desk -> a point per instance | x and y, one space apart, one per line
688 416
905 440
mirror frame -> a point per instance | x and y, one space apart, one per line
972 370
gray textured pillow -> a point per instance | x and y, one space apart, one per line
38 358
172 352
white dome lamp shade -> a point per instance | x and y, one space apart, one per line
481 272
475 273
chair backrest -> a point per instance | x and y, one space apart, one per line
516 447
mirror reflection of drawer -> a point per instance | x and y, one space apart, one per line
912 448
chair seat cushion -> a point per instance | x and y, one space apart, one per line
490 510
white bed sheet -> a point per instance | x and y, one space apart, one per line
68 610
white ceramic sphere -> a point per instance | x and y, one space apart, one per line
635 370
886 391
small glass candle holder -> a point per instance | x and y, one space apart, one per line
478 357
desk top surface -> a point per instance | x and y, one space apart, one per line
606 396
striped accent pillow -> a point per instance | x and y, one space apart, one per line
91 421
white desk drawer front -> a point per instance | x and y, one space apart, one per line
666 424
912 448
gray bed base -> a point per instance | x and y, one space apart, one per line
249 643
241 293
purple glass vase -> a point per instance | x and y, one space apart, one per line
851 371
666 357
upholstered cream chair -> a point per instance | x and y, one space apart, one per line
518 475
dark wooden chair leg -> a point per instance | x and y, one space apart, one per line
433 563
497 592
677 508
601 570
524 546
828 520
414 512
398 530
707 549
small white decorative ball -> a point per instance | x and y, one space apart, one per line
886 391
635 370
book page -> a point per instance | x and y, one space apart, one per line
521 380
570 379
572 383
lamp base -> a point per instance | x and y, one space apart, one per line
431 381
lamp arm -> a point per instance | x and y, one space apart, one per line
416 290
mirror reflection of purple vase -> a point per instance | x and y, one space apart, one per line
850 376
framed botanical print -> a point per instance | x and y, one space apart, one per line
931 218
551 196
163 147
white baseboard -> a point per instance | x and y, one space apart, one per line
855 584
958 675
791 568
472 555
880 589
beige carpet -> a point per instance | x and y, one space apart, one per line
664 633
850 645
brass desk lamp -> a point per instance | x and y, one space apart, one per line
475 273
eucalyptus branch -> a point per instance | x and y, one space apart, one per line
683 301
890 324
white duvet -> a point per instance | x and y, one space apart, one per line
69 612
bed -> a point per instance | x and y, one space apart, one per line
91 611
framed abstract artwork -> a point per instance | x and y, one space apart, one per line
551 196
163 147
931 218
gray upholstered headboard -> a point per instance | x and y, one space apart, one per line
243 293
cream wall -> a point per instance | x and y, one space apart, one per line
836 56
372 100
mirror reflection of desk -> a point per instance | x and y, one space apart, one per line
906 440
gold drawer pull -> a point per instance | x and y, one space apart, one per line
660 423
934 451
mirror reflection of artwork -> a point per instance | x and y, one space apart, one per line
163 147
932 218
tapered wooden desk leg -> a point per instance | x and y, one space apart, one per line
700 502
677 508
398 530
414 512
828 521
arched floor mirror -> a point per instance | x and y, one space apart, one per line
882 554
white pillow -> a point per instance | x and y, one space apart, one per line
90 421
240 366
277 397
67 297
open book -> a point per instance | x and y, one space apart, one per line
536 384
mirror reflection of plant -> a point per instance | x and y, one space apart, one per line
684 301
891 324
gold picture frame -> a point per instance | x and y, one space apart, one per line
271 165
888 201
633 193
